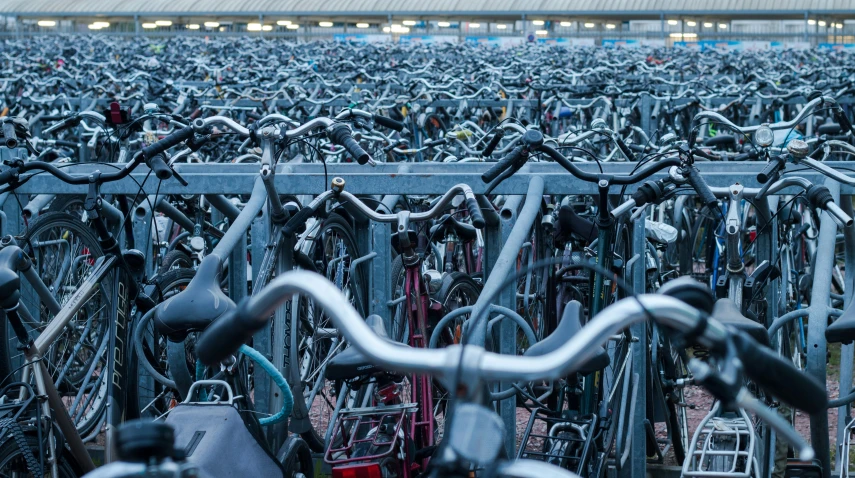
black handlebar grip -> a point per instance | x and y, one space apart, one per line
8 175
389 123
475 212
779 376
158 165
770 171
10 137
844 122
625 150
435 142
297 220
225 336
169 141
494 141
502 165
340 134
700 186
355 150
819 196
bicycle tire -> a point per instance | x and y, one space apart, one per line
70 229
296 458
13 462
151 368
334 228
175 259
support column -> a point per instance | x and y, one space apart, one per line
847 352
816 344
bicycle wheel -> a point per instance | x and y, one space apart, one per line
457 290
156 398
331 250
63 250
14 460
673 368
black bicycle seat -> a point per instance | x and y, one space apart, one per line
842 330
570 324
726 312
448 223
201 303
352 363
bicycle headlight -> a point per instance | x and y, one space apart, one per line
764 136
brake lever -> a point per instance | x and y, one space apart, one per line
178 177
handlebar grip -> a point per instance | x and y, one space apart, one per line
355 150
10 137
700 186
780 377
625 150
501 165
389 123
167 142
494 141
8 175
340 134
475 212
770 171
844 122
436 142
225 336
159 167
298 220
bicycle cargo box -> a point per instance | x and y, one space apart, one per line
216 439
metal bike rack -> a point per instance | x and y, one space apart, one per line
534 180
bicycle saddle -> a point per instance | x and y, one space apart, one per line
448 223
726 312
201 303
721 140
790 215
351 363
829 128
568 327
571 223
842 330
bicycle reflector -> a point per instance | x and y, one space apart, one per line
367 470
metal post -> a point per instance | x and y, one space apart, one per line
847 352
380 289
662 26
638 441
261 341
515 230
136 25
816 345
